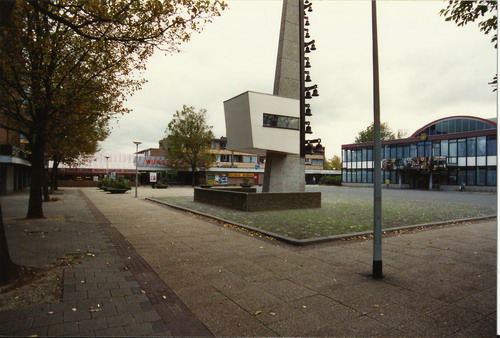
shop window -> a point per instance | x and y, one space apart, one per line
491 176
452 177
471 177
462 176
369 176
481 145
481 176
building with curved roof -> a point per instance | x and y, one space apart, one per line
443 154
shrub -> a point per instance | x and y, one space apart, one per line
330 180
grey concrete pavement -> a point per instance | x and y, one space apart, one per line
438 282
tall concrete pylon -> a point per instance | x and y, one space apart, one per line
286 173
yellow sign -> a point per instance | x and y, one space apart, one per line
240 175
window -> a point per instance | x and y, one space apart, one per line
369 154
399 152
436 149
316 161
421 149
413 150
249 159
471 146
481 146
471 177
444 147
453 176
491 176
369 176
393 152
280 121
406 151
428 148
225 158
453 148
462 149
491 146
481 176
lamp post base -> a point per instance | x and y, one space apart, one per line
377 270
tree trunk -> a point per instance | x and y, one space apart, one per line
9 271
193 172
55 168
35 205
46 195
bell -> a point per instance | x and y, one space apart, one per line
315 92
308 78
308 95
308 112
308 64
307 49
309 149
306 2
313 47
319 149
308 130
310 9
307 22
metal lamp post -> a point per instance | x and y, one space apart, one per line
136 166
377 180
107 168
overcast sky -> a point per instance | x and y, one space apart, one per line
429 69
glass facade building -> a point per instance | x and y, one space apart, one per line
447 152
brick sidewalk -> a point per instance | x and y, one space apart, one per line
113 292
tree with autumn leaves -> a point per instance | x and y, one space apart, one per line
188 141
64 64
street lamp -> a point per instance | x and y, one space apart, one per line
107 169
136 166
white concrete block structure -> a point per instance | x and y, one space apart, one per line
260 123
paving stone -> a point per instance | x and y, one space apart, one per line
110 331
92 324
56 318
63 329
143 329
80 314
121 320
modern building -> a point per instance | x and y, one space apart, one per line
443 154
230 167
14 164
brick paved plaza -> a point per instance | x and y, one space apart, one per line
161 272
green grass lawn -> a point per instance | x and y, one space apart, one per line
339 217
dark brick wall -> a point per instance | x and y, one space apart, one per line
234 199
